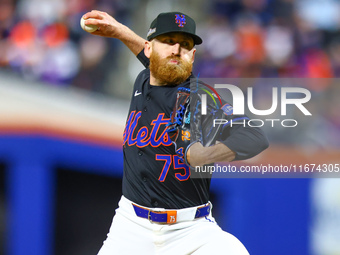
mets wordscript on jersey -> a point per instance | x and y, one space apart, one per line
144 137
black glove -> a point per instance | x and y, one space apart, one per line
178 128
188 127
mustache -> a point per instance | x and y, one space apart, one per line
174 58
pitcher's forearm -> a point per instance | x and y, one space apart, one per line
198 155
110 27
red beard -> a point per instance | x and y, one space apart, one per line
167 73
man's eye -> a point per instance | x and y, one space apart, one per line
169 41
185 44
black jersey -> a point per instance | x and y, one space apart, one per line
153 173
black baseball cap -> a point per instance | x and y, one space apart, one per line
168 22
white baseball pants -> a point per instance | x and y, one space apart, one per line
130 234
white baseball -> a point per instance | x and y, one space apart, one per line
87 28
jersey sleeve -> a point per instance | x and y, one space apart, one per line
143 59
245 141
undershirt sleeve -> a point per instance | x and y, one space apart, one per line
143 59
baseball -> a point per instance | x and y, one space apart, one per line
87 28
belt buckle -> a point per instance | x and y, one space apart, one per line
149 216
152 211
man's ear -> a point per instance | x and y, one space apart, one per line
147 49
193 55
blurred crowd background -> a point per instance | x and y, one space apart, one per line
42 40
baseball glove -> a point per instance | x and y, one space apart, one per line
188 127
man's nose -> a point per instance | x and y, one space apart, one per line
176 49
